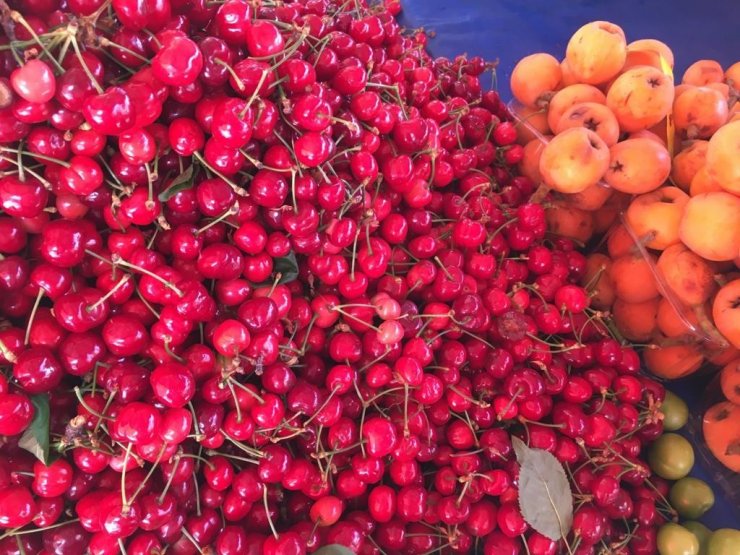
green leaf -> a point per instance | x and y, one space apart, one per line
182 182
287 267
35 439
334 549
545 498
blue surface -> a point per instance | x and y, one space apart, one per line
510 30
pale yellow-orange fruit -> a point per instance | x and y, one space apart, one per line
640 97
703 72
638 166
687 274
619 242
647 134
723 155
648 52
710 225
596 52
534 78
529 165
633 279
568 221
673 361
567 78
699 112
533 123
656 216
591 115
598 282
574 160
726 312
672 324
569 96
732 76
703 182
636 321
722 88
590 199
687 162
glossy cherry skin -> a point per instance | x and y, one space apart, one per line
53 480
172 384
37 370
110 112
34 81
23 199
178 62
16 412
125 335
17 507
136 423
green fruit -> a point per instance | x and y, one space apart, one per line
724 541
691 497
701 532
675 412
676 540
671 456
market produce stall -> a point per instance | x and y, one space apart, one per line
284 278
508 31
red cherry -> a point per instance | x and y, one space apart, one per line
136 423
53 480
111 112
178 62
16 412
34 81
17 507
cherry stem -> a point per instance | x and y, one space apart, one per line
238 190
32 317
18 18
242 446
124 279
7 353
192 540
105 408
318 410
258 164
177 458
87 407
267 512
117 260
231 72
236 401
124 503
211 452
229 212
72 30
198 458
141 486
481 404
355 318
254 394
22 168
256 91
104 42
19 532
35 155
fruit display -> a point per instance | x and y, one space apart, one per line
277 281
651 166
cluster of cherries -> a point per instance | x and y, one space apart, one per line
270 268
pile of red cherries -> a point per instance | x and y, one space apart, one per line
271 269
